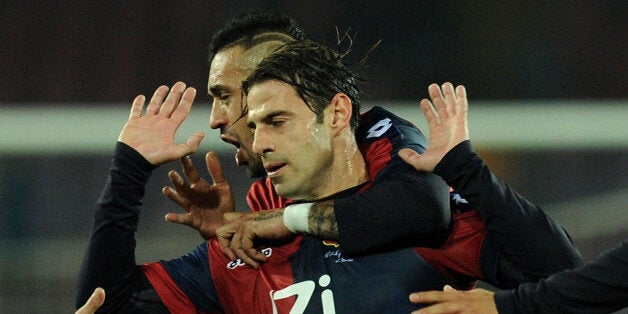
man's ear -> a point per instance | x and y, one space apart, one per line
340 109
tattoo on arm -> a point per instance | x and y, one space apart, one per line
262 215
322 220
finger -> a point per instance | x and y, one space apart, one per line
427 297
441 308
175 197
248 247
448 288
229 217
182 109
189 170
182 219
223 235
240 251
156 100
176 179
194 142
462 103
245 256
136 107
214 168
93 303
449 98
435 94
430 113
172 99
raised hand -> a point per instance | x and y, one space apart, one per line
237 236
152 135
446 116
204 204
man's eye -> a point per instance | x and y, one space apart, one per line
277 123
224 97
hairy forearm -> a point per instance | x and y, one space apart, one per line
322 220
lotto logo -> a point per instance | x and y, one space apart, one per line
379 128
238 262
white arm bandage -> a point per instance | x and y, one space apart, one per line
296 217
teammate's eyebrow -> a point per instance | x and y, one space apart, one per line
216 89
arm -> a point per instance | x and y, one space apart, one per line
600 286
145 141
532 246
597 287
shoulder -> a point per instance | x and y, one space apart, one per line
379 124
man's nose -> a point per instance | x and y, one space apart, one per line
262 142
218 118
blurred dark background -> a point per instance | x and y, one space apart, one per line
93 51
69 69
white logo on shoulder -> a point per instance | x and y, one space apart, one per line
238 262
379 128
458 199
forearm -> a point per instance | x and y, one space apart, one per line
109 261
532 244
322 220
412 210
597 287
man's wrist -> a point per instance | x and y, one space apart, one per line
296 217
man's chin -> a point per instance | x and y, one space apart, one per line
256 172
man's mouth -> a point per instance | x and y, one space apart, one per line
230 139
273 168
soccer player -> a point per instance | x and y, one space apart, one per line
365 222
305 122
234 53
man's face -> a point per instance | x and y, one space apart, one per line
296 150
228 69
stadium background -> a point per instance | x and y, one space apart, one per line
547 84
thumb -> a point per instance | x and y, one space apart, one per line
410 156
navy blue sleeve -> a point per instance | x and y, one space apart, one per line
109 261
597 287
191 273
403 207
531 245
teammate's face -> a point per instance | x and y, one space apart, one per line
296 150
228 69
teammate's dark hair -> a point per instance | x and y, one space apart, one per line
316 72
250 29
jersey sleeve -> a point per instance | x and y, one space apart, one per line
598 287
401 207
109 260
185 284
531 245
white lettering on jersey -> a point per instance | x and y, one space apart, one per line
379 128
238 262
304 291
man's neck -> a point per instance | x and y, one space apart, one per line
347 170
